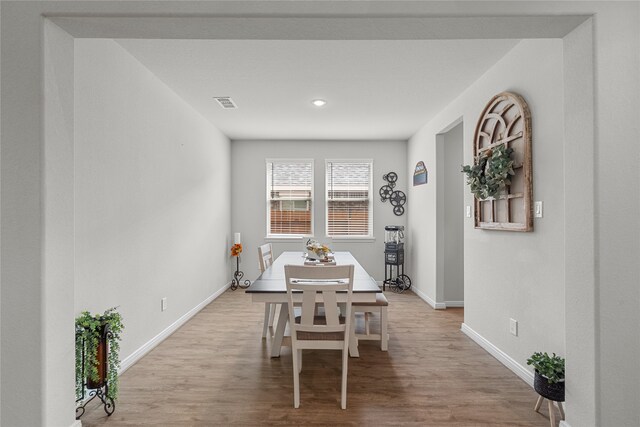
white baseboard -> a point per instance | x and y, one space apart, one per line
425 297
454 304
502 357
146 348
563 423
77 423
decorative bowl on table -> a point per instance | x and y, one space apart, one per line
317 250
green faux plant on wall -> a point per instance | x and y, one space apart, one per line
491 172
89 331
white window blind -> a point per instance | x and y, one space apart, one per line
349 187
289 197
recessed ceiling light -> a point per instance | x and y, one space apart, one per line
319 102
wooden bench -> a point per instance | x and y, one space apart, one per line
381 305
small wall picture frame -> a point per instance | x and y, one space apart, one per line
420 174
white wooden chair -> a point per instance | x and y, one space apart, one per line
265 259
311 331
367 308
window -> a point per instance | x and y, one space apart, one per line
289 198
348 191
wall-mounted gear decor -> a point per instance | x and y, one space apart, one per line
396 197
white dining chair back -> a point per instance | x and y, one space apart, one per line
265 259
265 256
312 331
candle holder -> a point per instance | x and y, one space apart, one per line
237 277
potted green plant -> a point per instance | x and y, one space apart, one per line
97 352
490 173
549 375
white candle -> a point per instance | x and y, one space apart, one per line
236 238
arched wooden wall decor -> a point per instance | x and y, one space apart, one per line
506 120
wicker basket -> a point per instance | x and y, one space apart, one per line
549 391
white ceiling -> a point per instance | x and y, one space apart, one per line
375 89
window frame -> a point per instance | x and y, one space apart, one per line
270 235
370 234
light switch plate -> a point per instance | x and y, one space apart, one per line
468 211
537 209
513 327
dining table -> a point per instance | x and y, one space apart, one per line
270 287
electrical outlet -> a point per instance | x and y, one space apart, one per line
537 209
163 304
468 211
513 327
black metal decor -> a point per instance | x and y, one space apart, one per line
397 198
237 277
98 389
394 258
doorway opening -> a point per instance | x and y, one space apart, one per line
450 214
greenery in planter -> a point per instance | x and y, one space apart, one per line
552 367
490 173
89 329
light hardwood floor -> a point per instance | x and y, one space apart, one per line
216 370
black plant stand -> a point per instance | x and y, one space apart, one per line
237 277
552 392
100 389
100 393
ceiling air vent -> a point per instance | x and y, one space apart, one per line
225 102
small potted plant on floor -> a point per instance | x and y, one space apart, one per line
97 356
549 375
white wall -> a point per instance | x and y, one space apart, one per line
580 242
248 199
59 241
617 202
502 272
453 189
22 298
150 176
